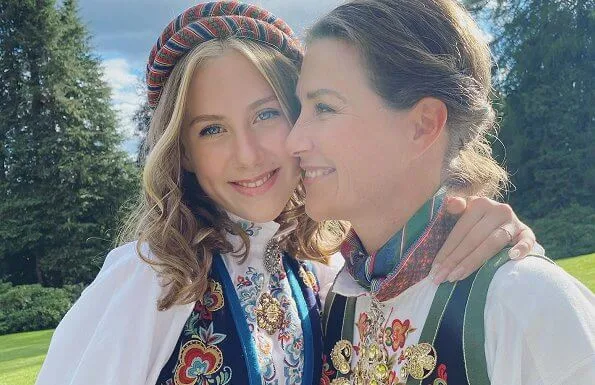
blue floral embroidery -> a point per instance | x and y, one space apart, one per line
290 338
249 227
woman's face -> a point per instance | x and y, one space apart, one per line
234 139
352 147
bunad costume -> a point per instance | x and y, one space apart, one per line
510 323
258 323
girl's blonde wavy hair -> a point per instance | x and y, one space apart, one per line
182 226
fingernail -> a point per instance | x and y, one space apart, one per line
439 277
455 275
434 270
514 254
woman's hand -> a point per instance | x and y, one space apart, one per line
483 230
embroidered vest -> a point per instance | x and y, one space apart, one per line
454 329
216 345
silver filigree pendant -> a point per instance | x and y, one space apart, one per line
272 257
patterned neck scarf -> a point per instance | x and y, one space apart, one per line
371 270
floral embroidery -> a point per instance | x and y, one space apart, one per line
327 371
249 287
213 297
396 334
363 323
442 376
395 337
200 360
203 312
249 228
211 302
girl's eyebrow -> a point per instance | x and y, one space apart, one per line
211 118
262 101
205 118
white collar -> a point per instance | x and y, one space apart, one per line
346 286
258 233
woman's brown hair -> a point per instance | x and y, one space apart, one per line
428 48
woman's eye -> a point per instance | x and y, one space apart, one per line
322 108
211 130
267 114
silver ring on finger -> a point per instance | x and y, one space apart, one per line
508 233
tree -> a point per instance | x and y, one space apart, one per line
546 75
63 177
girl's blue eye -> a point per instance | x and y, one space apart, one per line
267 114
211 130
322 108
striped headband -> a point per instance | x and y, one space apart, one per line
215 20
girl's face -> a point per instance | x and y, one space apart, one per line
234 139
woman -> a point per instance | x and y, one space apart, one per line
211 298
395 117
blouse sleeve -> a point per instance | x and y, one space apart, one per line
114 334
540 326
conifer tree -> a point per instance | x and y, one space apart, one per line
64 176
546 77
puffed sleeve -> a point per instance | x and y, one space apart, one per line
540 326
114 333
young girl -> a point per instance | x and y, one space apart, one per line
216 289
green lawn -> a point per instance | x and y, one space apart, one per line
581 267
21 354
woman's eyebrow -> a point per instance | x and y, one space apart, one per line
325 91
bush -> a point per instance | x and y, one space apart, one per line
33 307
566 232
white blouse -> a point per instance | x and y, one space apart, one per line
115 335
539 323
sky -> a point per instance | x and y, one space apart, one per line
124 31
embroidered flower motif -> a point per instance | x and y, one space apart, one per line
203 312
249 288
200 361
327 371
396 334
213 297
196 361
243 282
363 324
442 376
249 228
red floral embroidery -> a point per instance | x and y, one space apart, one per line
213 297
396 334
442 372
363 323
327 372
197 360
203 312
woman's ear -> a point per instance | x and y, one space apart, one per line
429 117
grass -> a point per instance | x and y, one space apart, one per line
22 354
582 268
